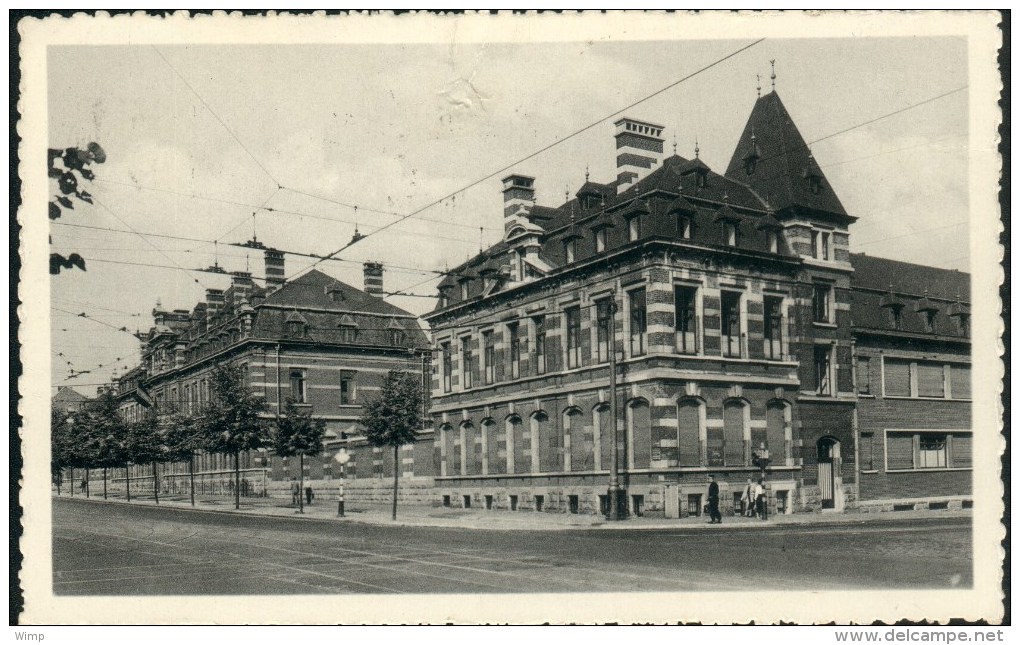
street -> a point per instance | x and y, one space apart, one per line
119 549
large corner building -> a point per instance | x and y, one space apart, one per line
729 300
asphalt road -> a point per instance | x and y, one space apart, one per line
115 549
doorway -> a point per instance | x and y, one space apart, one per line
828 465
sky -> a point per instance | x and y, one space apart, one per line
198 138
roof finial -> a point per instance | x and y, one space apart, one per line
481 242
674 143
773 77
254 238
758 76
697 150
753 138
586 173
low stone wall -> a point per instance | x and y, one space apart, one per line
954 503
412 490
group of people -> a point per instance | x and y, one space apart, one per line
752 500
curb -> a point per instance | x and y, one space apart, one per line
841 520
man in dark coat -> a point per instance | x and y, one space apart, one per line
713 501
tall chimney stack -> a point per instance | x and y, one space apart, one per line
518 195
274 270
214 301
241 283
373 278
638 151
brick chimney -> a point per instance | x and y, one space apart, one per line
373 278
214 301
274 270
638 151
518 196
241 283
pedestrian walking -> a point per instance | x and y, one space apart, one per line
713 501
295 491
760 502
748 499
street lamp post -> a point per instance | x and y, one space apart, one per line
614 492
342 457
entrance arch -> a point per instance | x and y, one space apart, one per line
829 480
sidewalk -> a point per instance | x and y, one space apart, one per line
429 516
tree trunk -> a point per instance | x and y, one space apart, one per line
104 482
88 482
237 480
72 482
396 478
127 479
301 486
191 477
155 483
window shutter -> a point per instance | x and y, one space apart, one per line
897 378
959 376
930 380
961 450
899 451
689 439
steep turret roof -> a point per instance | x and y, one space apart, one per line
775 161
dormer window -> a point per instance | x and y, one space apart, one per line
570 250
895 318
684 227
295 329
634 228
348 333
699 179
729 233
397 337
928 317
772 241
815 184
750 164
963 323
601 239
464 288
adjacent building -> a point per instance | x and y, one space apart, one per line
69 400
318 341
911 327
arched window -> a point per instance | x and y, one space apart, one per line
604 431
639 431
582 444
736 450
495 447
550 443
472 449
521 444
446 444
689 432
777 422
453 458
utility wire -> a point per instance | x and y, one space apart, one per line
537 152
217 117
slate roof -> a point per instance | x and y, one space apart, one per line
69 396
879 283
781 172
309 290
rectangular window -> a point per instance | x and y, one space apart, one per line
348 334
730 328
347 389
297 385
447 367
601 239
931 380
820 245
638 322
821 303
540 344
895 318
897 377
573 337
490 357
959 378
514 331
686 301
634 228
823 371
863 375
468 361
569 249
602 313
772 241
773 306
867 451
464 290
931 450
